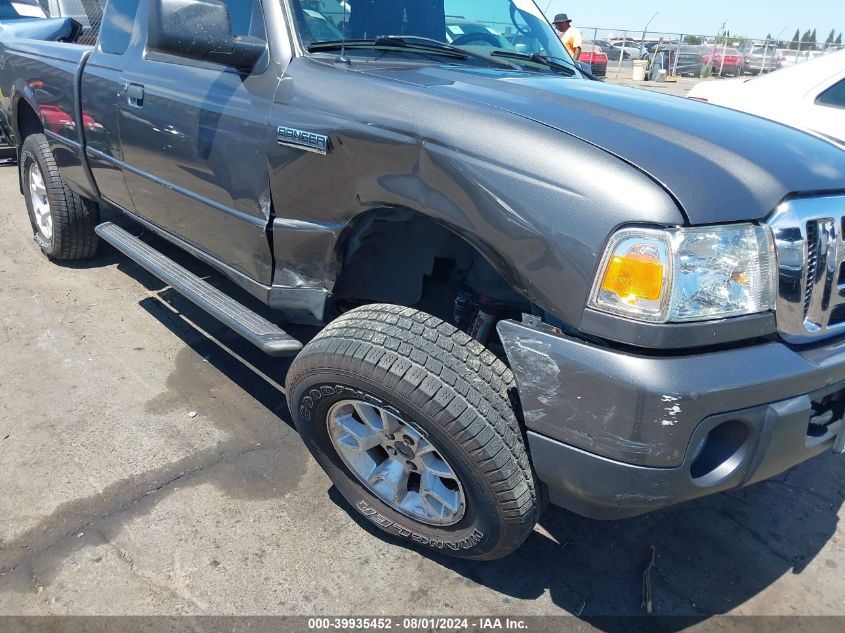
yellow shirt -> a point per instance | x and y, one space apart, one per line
571 40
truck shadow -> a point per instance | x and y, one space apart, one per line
711 555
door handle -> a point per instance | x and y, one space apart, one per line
135 95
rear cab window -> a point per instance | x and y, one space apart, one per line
246 18
116 29
89 13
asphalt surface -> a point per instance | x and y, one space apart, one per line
678 87
148 466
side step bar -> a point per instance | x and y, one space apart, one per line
256 329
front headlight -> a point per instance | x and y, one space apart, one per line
686 274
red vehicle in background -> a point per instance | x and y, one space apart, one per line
592 55
724 61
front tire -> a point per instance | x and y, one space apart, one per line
62 221
384 387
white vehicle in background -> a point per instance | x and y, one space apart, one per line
792 57
810 96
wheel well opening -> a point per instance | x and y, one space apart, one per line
28 122
406 259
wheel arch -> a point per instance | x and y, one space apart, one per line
26 120
404 244
25 123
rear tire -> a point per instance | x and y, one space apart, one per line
62 221
428 384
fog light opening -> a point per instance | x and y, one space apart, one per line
720 453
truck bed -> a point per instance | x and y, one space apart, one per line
43 73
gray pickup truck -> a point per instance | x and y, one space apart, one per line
530 286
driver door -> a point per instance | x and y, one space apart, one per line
195 136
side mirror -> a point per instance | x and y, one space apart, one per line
201 30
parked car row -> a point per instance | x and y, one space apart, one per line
685 62
760 59
614 52
748 59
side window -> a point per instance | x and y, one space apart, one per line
116 30
246 18
833 96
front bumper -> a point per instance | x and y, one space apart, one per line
616 434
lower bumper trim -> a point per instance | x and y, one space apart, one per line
773 438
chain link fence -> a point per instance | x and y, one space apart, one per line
697 55
89 13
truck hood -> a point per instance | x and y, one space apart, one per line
720 165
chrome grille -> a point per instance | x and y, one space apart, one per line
812 259
810 255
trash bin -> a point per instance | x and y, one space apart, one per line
638 72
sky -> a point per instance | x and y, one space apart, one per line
751 19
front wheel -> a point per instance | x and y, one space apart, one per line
411 420
62 221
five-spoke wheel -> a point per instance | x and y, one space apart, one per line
396 463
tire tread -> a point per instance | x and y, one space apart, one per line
453 378
74 217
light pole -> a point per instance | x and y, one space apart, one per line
645 30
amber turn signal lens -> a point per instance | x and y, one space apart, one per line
633 278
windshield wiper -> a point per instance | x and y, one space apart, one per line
384 42
536 58
415 43
418 41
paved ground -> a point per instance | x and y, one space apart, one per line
680 87
148 466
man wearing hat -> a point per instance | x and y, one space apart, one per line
568 34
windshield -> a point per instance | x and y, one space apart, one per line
479 26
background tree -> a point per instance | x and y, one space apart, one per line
796 39
829 41
838 41
806 40
692 40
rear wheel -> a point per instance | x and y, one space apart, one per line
62 221
411 420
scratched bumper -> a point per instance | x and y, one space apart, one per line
615 434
